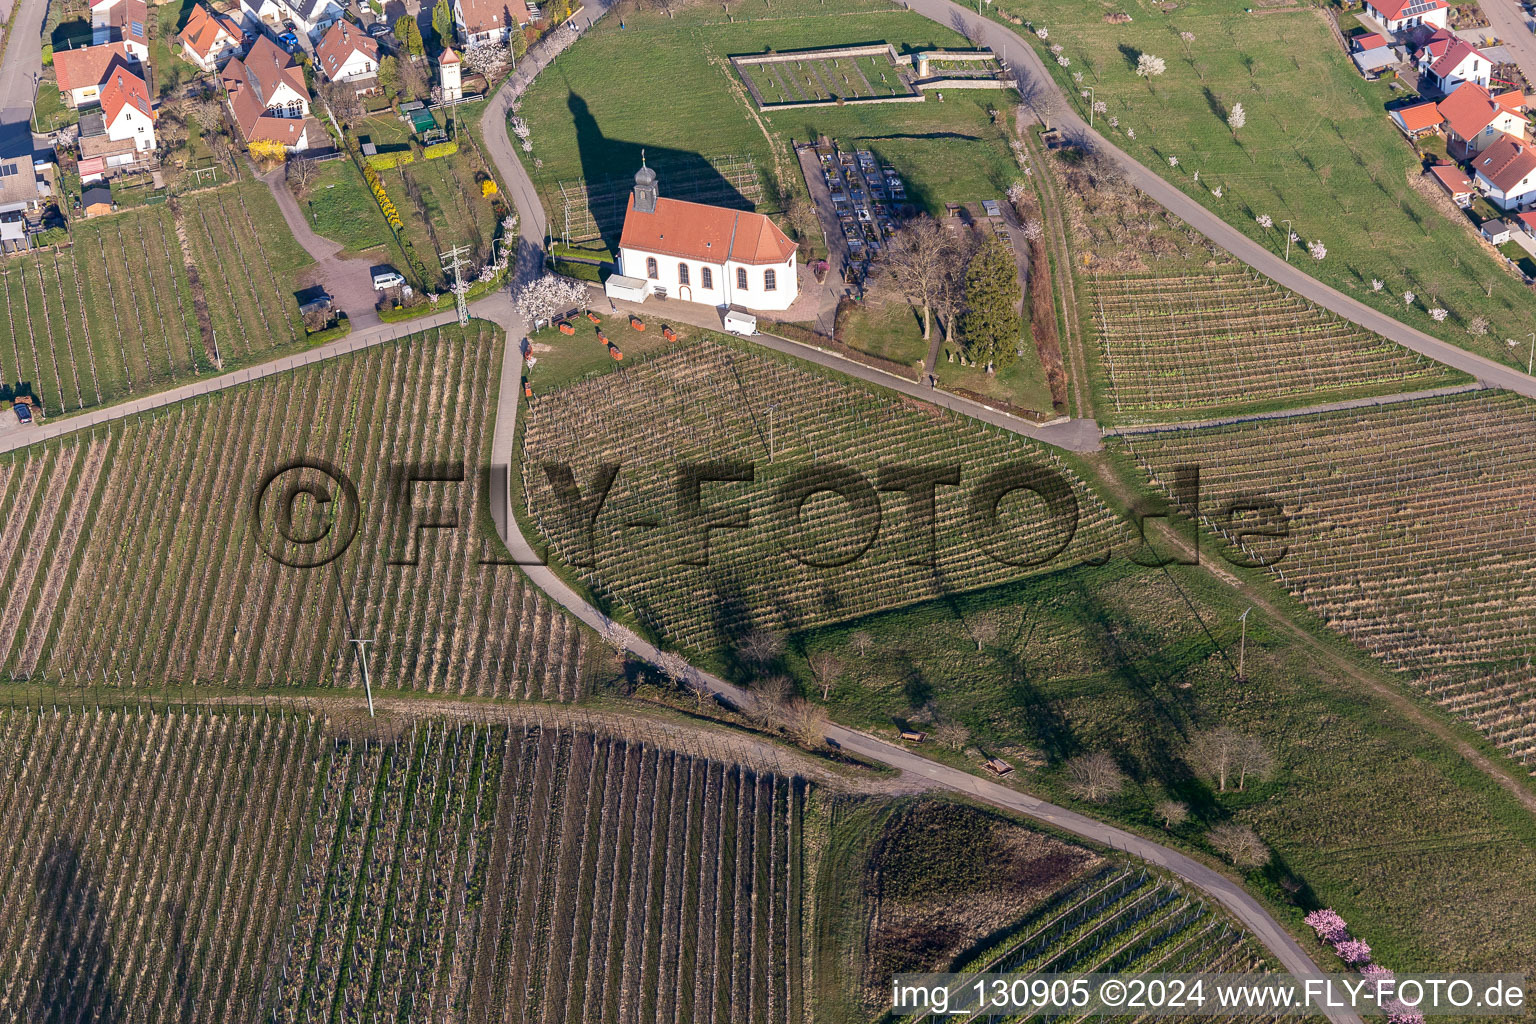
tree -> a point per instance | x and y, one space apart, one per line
918 260
343 100
300 175
760 647
989 327
1216 752
413 80
442 23
1239 844
389 77
1149 67
806 722
486 59
545 297
1172 812
1236 117
1094 776
951 734
409 35
518 43
1252 759
826 667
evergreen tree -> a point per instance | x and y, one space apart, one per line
519 43
989 327
442 23
409 34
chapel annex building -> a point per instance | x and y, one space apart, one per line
707 254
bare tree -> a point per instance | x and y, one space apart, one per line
760 647
1253 759
826 667
862 643
806 722
1172 812
1094 776
300 174
1215 752
1239 844
346 106
919 260
951 734
985 629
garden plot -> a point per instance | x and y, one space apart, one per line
709 402
1410 533
811 78
1223 340
141 568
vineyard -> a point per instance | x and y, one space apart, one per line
711 403
117 313
130 555
460 871
1230 339
1410 533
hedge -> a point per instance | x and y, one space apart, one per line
438 149
384 161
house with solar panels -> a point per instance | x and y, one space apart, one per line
1402 15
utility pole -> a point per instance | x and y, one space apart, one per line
1242 647
771 407
454 260
362 660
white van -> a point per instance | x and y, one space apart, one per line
386 277
744 324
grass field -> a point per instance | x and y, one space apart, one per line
117 314
117 543
344 211
1193 340
1317 149
1409 534
1136 661
708 402
584 128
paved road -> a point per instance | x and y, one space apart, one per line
1310 410
1042 94
1508 22
23 63
349 283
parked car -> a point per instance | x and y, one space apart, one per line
289 42
378 29
387 277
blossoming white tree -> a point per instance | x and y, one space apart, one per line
1149 66
1377 284
542 298
1318 250
1439 315
487 58
1408 298
1237 117
1265 221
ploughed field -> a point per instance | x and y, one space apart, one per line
805 555
1410 532
143 300
131 554
1227 340
228 866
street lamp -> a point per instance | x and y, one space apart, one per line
1242 649
1288 234
1531 359
1090 106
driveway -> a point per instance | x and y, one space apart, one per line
1508 22
18 77
349 283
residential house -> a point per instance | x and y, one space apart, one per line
707 254
311 17
1455 182
1373 61
1445 61
1474 119
211 39
81 73
1506 173
348 54
121 21
489 21
120 135
1525 222
1368 41
1417 120
1400 15
21 194
269 99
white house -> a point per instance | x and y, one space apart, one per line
1506 173
81 73
489 21
311 17
449 74
127 111
706 254
121 21
348 54
1446 61
1399 15
269 99
210 39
